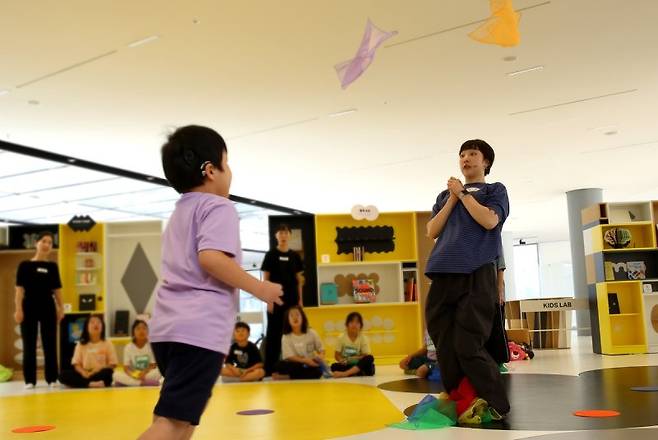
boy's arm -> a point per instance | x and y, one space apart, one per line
438 222
225 269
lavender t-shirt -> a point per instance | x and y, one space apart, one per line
191 306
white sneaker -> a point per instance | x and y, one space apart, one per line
52 385
29 386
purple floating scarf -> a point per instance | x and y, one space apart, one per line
348 71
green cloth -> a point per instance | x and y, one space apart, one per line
5 374
430 413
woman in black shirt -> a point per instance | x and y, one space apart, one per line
39 301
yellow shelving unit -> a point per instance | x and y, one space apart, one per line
393 329
629 272
403 223
82 271
393 326
623 332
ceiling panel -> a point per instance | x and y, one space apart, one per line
12 164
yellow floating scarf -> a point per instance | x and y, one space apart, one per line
502 28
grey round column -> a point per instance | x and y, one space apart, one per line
577 200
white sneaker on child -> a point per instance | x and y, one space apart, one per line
52 385
28 386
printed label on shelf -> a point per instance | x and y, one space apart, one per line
550 305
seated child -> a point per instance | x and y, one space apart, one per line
422 362
139 366
301 348
94 358
244 361
353 350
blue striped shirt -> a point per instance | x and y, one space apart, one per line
464 245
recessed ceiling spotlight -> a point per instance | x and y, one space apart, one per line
4 92
611 132
509 58
196 21
522 71
33 102
143 41
343 113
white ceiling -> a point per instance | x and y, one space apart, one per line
262 74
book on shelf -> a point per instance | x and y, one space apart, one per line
410 289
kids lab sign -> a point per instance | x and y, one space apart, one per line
553 305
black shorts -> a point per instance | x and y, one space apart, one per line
190 373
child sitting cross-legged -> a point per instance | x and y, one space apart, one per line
244 362
353 350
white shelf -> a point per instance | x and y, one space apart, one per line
360 263
87 269
375 304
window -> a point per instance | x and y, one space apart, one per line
526 271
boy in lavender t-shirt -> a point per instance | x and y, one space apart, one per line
195 307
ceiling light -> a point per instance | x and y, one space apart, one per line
33 102
522 71
196 21
143 41
611 133
4 92
342 113
509 58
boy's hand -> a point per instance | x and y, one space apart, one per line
455 186
404 363
312 363
271 293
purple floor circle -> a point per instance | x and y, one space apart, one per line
254 412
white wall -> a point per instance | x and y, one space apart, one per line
555 273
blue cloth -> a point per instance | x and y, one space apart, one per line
464 245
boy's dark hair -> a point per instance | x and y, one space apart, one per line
352 316
482 147
43 234
186 153
84 337
287 328
283 227
135 324
243 325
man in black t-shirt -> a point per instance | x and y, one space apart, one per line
283 266
243 362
